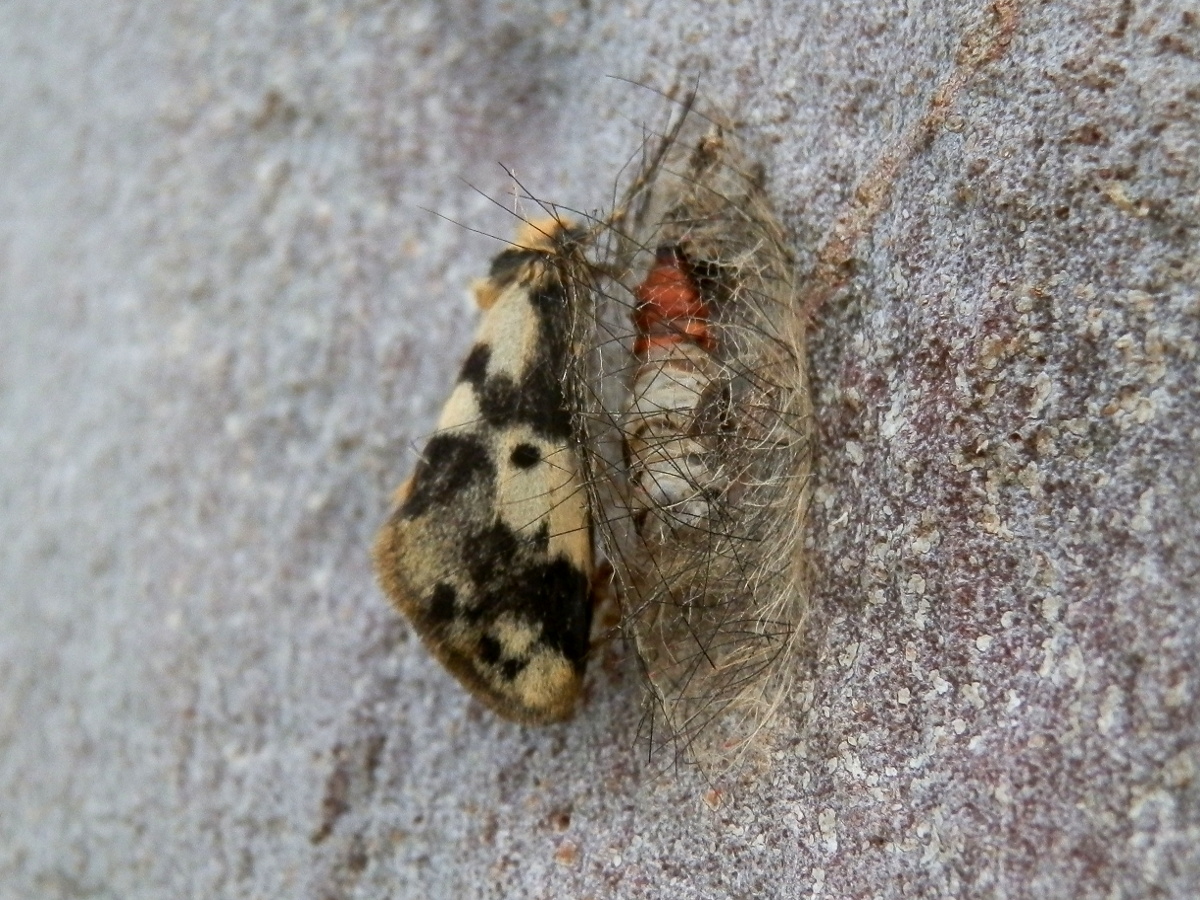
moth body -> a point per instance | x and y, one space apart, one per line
671 484
716 430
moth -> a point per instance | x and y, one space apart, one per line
638 386
489 548
717 436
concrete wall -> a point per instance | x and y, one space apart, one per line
226 317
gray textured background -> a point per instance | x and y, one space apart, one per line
226 318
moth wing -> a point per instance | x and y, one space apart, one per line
489 549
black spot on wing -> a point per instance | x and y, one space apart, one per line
535 399
474 369
540 539
490 650
567 624
548 414
555 595
526 456
442 603
511 668
544 377
489 553
450 463
501 401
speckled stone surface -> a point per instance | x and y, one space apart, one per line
227 318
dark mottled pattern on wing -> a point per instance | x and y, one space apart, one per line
450 463
475 367
534 589
565 627
537 398
443 603
491 601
